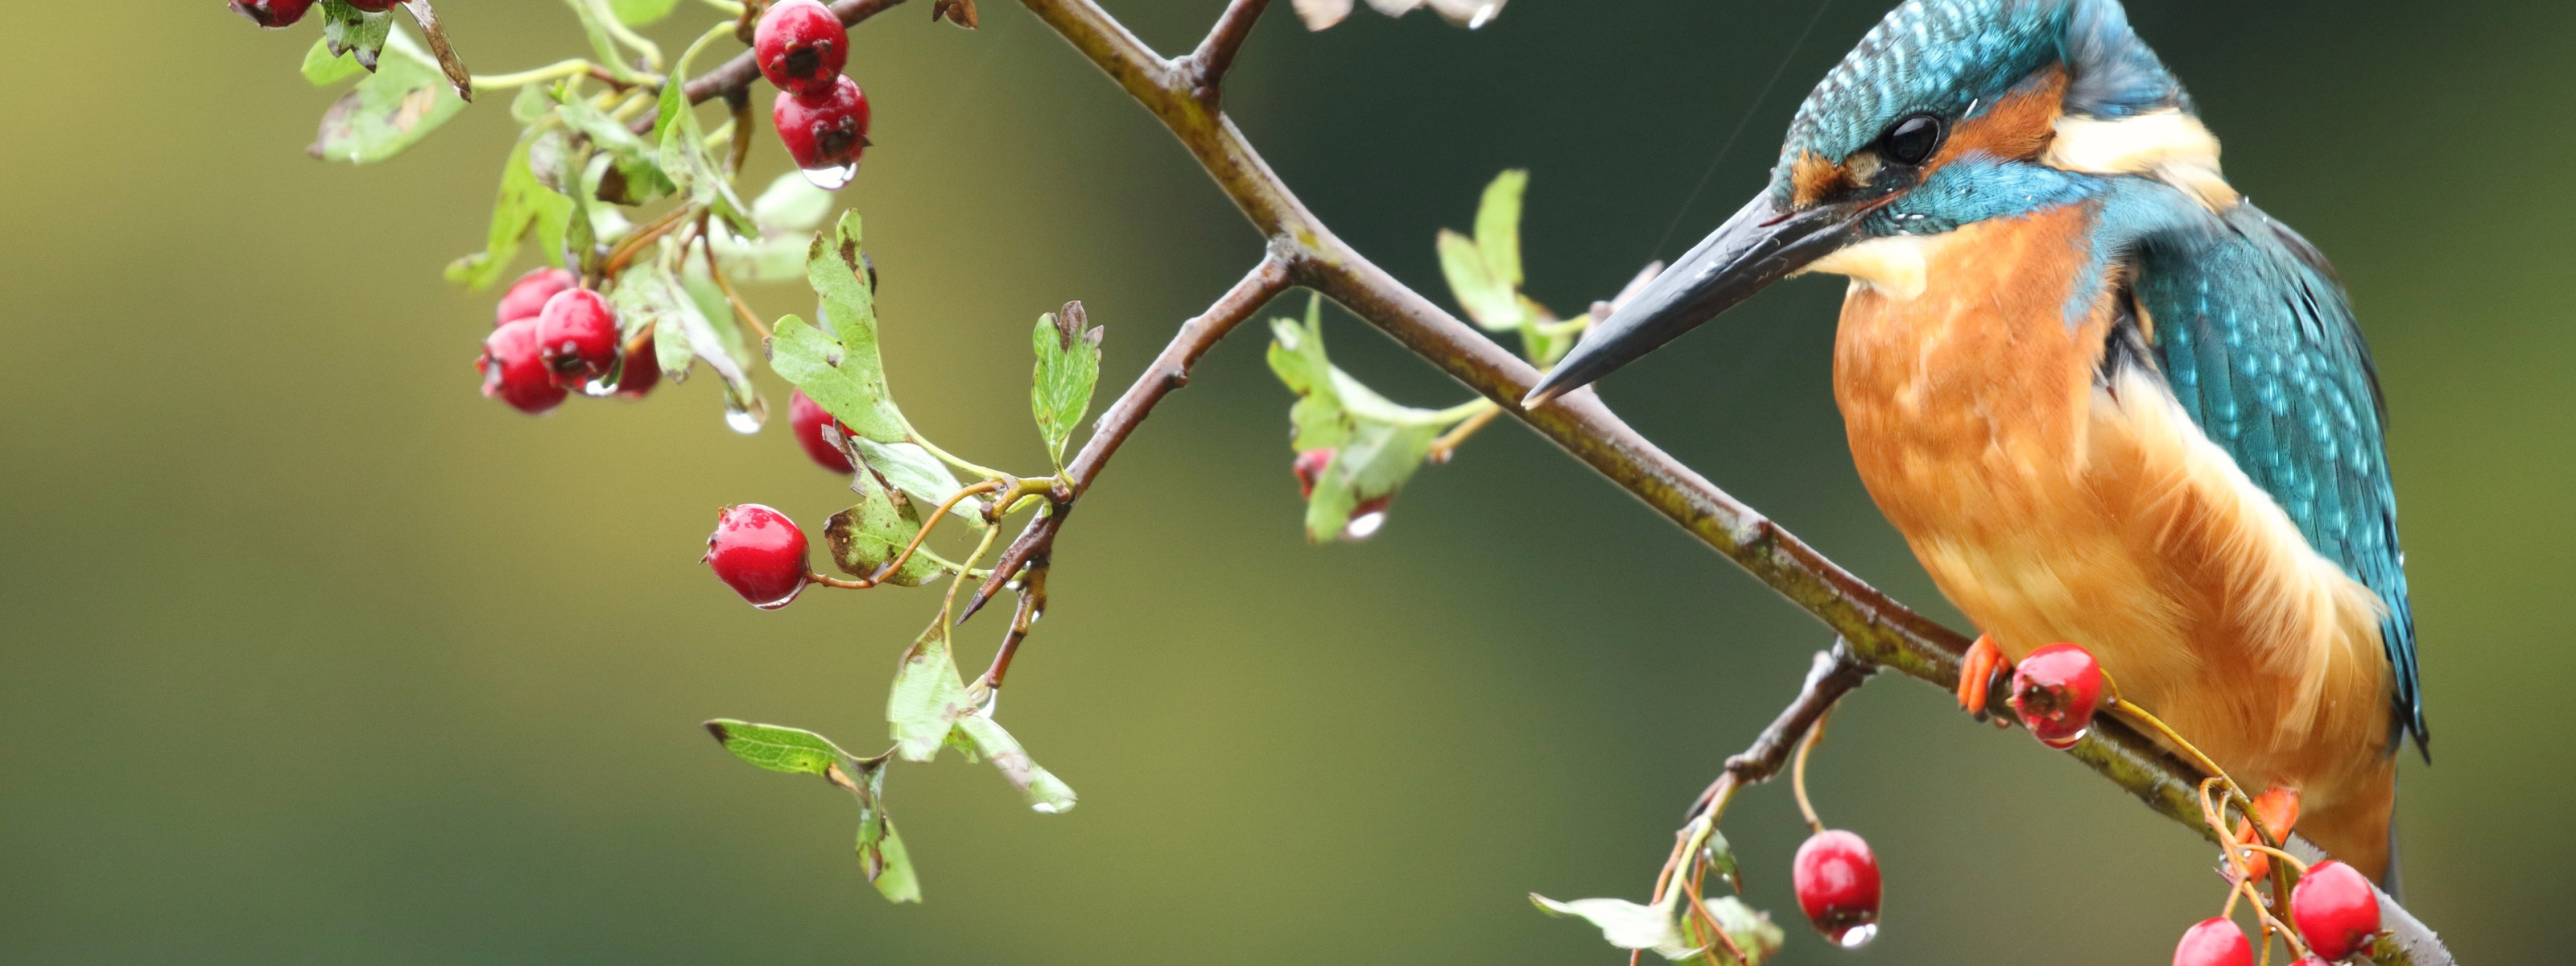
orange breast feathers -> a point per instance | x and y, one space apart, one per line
2052 506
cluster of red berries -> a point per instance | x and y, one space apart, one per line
821 114
2332 907
2055 692
283 13
550 337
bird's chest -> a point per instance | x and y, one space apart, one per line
1969 407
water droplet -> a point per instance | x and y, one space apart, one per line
746 420
1045 808
831 179
1857 936
1364 526
2067 741
596 388
1484 15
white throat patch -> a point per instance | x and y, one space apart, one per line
2169 145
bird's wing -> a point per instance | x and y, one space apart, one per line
2257 340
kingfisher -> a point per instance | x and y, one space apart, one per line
2104 398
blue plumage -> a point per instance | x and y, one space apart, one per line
2258 343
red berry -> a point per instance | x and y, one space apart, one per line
528 295
373 6
1309 468
2054 692
827 131
801 47
272 13
642 371
577 334
514 372
806 417
1837 884
2214 942
2311 961
759 553
2335 910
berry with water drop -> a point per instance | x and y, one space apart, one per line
272 13
577 334
1367 518
1836 879
641 371
515 372
807 418
2055 691
1309 468
758 552
2335 910
2215 941
801 47
827 131
528 295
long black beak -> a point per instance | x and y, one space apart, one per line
1762 244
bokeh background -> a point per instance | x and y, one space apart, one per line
309 654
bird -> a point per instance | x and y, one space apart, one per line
2103 397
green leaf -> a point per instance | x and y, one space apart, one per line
865 536
1498 226
922 476
1046 792
1068 370
525 204
795 751
650 293
393 109
1628 925
682 156
791 750
838 364
324 66
1751 930
1377 444
775 258
791 203
638 13
927 698
346 29
636 175
1487 301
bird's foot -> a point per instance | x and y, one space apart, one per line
1978 670
2278 808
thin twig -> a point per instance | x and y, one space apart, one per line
1207 65
1170 370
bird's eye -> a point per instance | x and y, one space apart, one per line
1912 140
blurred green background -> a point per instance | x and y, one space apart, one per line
312 655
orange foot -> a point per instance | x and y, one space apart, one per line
2279 809
1977 671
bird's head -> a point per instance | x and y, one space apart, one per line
1948 113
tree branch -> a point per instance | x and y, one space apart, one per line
1837 672
1875 629
1034 549
1207 65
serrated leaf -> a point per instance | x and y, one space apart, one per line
324 66
404 100
792 750
869 533
921 476
636 175
1046 792
1377 444
1068 370
525 204
838 363
650 293
362 35
1498 226
927 698
882 856
638 13
681 152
